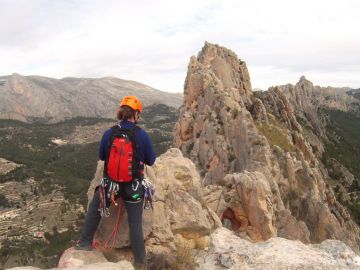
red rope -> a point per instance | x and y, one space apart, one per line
110 242
101 195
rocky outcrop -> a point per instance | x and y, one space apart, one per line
305 94
251 149
28 98
227 251
179 210
305 100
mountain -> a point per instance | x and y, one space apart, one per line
262 151
30 98
266 165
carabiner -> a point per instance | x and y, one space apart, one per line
137 185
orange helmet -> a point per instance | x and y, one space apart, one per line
133 102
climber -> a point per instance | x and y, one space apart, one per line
130 149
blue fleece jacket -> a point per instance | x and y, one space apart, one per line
146 151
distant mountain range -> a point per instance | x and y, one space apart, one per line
34 98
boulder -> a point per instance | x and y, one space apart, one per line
74 258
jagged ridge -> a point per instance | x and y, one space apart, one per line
253 150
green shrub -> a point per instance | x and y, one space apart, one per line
343 144
4 202
274 133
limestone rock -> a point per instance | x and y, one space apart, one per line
74 258
253 149
213 197
227 251
253 202
212 130
259 111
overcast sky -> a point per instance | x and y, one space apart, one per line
152 41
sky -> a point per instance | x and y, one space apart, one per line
152 41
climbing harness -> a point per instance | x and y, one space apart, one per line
109 191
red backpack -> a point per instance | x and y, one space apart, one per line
121 164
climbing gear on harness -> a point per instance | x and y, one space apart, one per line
148 194
133 191
133 102
121 162
108 191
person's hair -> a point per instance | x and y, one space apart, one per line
125 113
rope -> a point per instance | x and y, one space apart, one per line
110 242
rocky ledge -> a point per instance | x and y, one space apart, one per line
183 227
228 251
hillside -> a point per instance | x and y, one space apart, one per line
330 119
36 98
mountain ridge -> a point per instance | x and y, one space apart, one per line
29 98
254 149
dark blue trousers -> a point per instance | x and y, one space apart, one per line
134 212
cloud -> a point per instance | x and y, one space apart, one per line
152 41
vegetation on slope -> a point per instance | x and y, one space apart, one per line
69 166
275 134
343 144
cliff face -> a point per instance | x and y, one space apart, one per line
252 150
28 98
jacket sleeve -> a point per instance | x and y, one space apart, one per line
149 154
103 144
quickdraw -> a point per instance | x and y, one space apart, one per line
108 191
149 192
